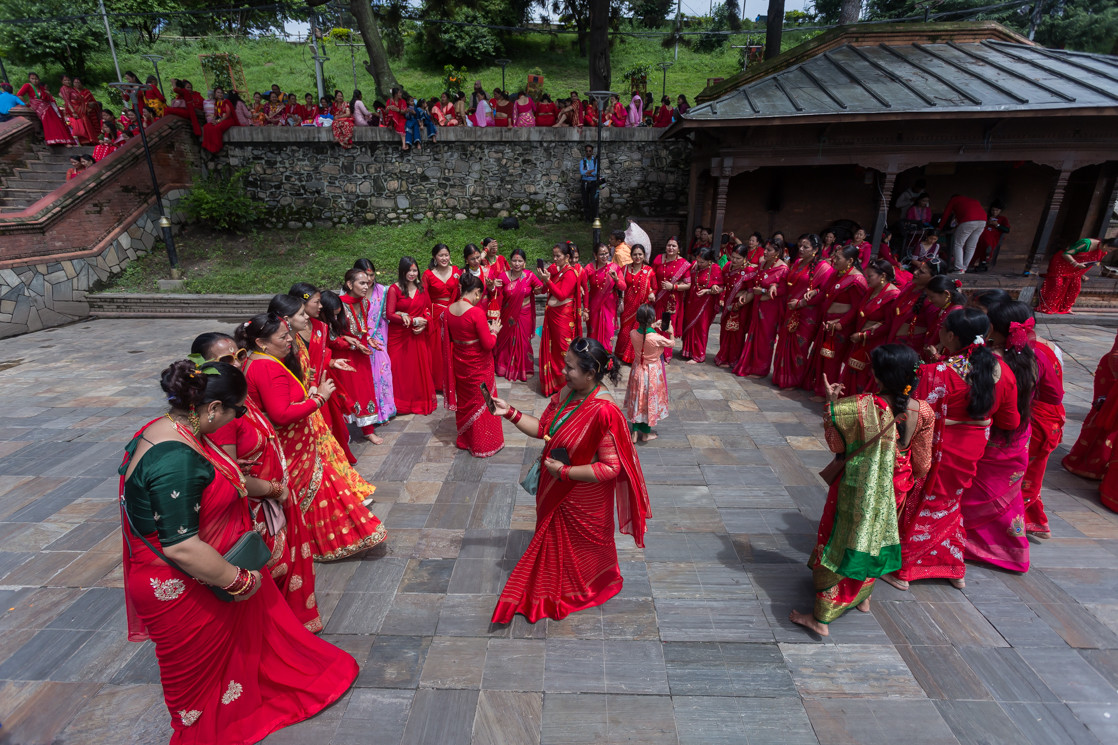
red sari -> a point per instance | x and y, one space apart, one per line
1091 452
599 288
638 291
734 324
512 357
931 524
55 131
468 349
255 440
86 121
670 301
558 328
358 385
319 350
213 134
797 332
231 672
329 492
767 310
1063 282
187 104
1047 431
874 321
571 562
343 124
413 381
699 312
831 346
440 294
909 325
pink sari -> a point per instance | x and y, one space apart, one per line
512 357
993 508
599 286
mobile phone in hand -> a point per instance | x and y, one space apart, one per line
560 454
666 320
488 398
540 264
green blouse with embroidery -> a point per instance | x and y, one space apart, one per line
164 492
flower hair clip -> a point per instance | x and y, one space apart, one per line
979 341
907 390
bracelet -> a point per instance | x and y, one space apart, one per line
513 415
318 399
236 587
249 586
276 490
564 473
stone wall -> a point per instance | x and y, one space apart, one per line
305 177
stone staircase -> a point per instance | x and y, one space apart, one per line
43 171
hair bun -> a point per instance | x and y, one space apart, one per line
184 386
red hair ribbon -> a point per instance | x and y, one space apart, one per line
958 284
1020 334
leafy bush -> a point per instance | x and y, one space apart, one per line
724 18
222 203
467 43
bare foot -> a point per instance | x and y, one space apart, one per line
864 606
895 581
809 622
375 439
958 584
650 436
636 436
817 399
1044 536
692 362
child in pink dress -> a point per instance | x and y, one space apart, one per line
646 399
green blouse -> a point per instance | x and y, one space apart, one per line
164 492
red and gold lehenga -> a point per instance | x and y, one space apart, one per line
468 349
413 381
55 131
699 312
571 562
844 296
1047 419
512 357
639 288
1064 280
734 324
766 314
931 524
670 301
440 295
801 322
558 328
874 319
254 440
232 673
329 492
358 385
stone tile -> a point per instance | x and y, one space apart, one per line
133 714
427 576
469 615
735 620
635 667
574 666
1069 676
943 673
413 614
508 717
574 718
823 671
514 665
878 722
380 710
1048 723
359 613
1099 719
454 663
978 722
394 662
444 717
1006 676
47 709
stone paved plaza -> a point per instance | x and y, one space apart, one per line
696 649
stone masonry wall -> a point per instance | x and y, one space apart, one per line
305 177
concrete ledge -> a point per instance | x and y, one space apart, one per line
175 305
308 135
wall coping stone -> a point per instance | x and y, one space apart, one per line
308 135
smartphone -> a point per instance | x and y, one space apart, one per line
666 321
540 263
1091 263
488 398
560 454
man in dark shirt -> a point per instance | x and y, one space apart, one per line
588 170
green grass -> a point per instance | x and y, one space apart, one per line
268 61
270 261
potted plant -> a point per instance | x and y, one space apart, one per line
638 77
535 82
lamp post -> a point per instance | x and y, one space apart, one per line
154 60
664 88
130 89
599 98
503 63
352 59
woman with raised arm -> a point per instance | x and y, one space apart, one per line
408 311
232 672
765 315
672 283
1066 270
912 311
561 282
843 295
967 391
600 283
872 327
512 357
640 283
588 464
702 302
804 292
886 440
944 297
440 288
330 493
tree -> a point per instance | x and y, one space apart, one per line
1084 25
144 22
600 72
724 18
850 12
653 13
774 28
52 43
377 64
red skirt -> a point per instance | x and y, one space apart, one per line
1045 435
757 355
213 135
413 381
732 331
558 332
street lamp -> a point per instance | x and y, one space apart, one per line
664 88
154 60
503 63
129 91
600 98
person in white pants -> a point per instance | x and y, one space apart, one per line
970 216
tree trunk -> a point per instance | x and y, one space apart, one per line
850 13
600 72
378 65
582 43
774 28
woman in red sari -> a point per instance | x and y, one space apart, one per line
618 115
188 104
1091 452
213 133
804 290
964 390
600 285
843 296
343 121
911 311
515 295
1065 274
232 672
663 116
330 493
872 327
394 109
468 340
65 97
546 112
86 110
440 286
737 305
561 281
673 279
153 97
408 311
39 99
702 303
1046 427
358 383
253 442
765 315
640 279
571 562
944 298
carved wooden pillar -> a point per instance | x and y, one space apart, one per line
883 208
721 168
1038 259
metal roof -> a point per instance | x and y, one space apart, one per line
978 77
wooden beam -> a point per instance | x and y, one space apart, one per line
720 195
883 208
1040 247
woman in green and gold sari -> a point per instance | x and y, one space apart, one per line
886 441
